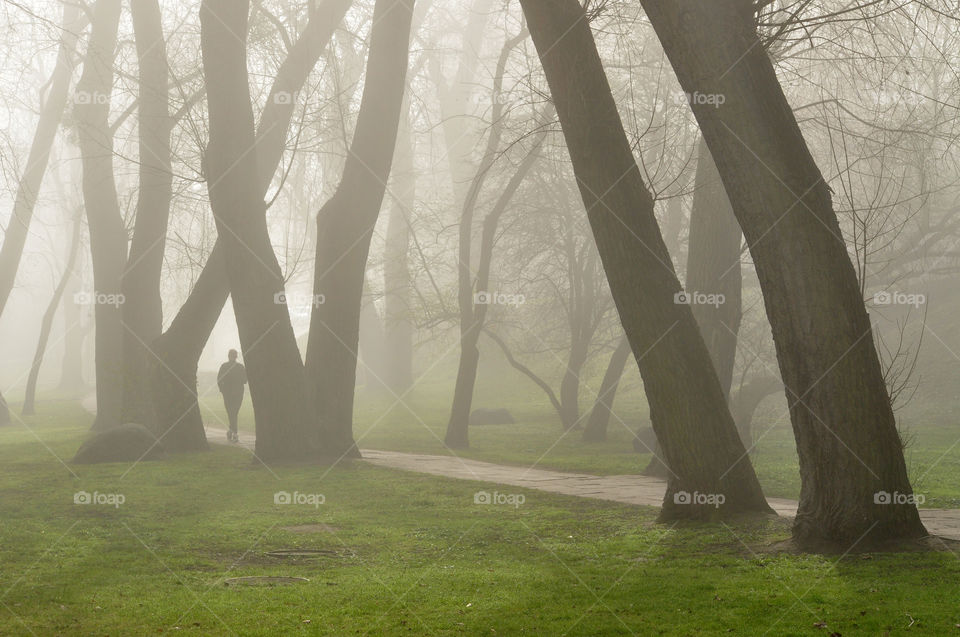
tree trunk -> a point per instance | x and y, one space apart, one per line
273 363
178 354
714 282
51 114
178 350
142 309
596 429
687 405
4 412
108 236
471 313
71 371
570 384
46 323
397 302
847 439
345 227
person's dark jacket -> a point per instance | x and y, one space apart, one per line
231 378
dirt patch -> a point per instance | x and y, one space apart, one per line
311 553
264 580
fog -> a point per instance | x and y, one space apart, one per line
712 248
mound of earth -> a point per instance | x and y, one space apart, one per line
126 443
491 417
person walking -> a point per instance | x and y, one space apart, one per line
230 379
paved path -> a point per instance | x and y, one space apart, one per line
628 489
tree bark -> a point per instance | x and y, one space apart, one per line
713 267
687 405
46 323
108 236
143 309
345 227
180 347
273 363
28 188
596 428
847 439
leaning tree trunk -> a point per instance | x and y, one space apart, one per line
180 347
28 188
596 427
273 363
4 411
345 227
714 282
46 323
687 405
847 440
108 236
142 309
748 398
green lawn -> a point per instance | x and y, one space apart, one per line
410 555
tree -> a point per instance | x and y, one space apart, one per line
345 226
596 428
28 188
178 349
847 440
687 405
713 267
108 235
46 323
270 352
142 308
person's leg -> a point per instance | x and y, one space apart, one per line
233 409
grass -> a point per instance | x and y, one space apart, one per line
415 556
